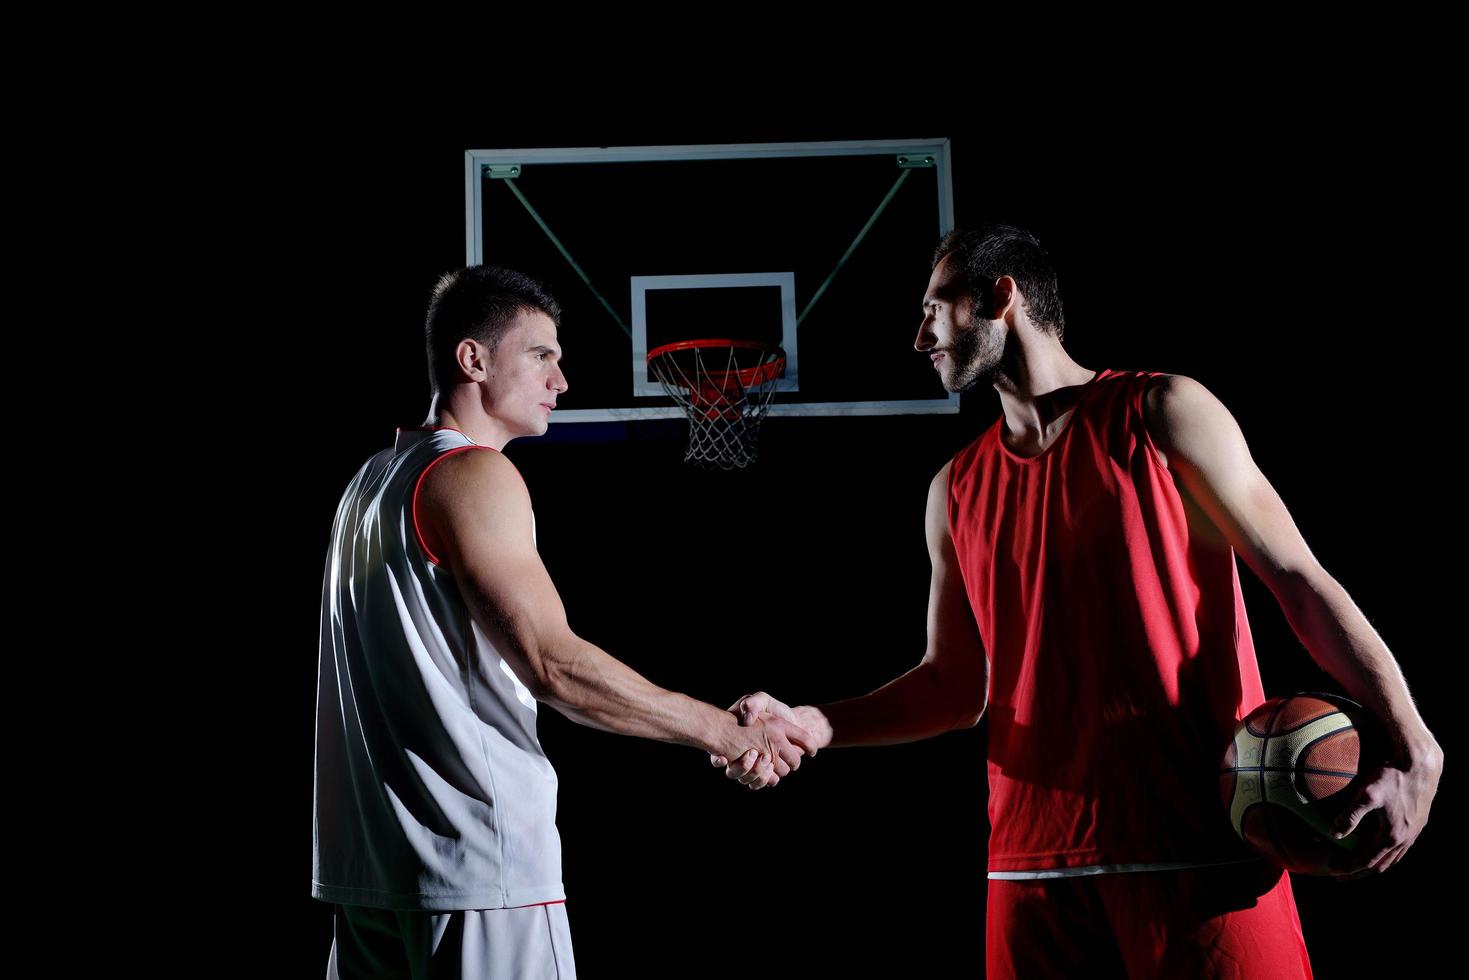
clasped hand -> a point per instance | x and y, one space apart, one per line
783 742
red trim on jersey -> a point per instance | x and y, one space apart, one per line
533 905
418 485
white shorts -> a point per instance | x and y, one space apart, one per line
528 943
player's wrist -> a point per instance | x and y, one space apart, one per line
816 724
1419 751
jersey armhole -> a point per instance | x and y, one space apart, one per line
418 485
949 501
1142 414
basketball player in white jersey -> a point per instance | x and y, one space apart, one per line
435 807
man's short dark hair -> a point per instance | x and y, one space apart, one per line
478 303
988 252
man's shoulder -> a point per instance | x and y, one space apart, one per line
1181 414
465 496
470 471
1167 397
1154 385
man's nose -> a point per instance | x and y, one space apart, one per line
925 339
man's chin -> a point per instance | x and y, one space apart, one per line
971 378
956 382
969 385
531 429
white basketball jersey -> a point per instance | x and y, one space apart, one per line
432 791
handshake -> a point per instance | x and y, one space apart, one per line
778 735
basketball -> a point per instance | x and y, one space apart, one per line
1290 771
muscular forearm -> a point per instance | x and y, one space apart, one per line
915 706
1346 646
593 688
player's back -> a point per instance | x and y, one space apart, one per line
432 791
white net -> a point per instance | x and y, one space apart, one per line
725 389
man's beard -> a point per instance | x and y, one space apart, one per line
974 358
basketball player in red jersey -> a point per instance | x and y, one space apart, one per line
1085 596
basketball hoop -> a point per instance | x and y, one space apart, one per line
725 387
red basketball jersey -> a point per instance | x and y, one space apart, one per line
1121 658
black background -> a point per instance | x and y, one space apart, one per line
1273 247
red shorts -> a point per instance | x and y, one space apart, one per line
1228 921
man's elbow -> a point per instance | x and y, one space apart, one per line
543 687
546 682
534 663
970 715
960 688
968 707
554 679
1300 583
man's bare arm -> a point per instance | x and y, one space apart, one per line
948 689
475 514
1199 440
